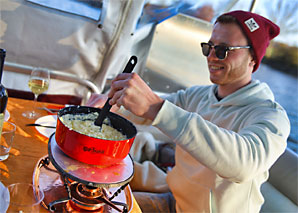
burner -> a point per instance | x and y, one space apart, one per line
89 191
85 197
73 186
71 206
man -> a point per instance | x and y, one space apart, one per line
228 134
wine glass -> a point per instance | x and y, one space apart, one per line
38 83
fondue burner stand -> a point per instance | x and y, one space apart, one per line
73 186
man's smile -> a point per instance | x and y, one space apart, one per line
214 68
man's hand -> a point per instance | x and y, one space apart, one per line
130 91
99 100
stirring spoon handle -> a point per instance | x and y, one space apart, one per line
106 108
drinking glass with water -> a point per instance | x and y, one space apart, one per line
7 135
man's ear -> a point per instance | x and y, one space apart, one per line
252 62
252 59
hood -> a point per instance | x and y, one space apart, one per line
252 93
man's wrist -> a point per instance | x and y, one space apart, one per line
154 109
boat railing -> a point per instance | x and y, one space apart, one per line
55 74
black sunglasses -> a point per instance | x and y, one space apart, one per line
221 51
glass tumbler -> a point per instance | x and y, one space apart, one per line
7 135
23 198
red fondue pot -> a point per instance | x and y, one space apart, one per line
92 150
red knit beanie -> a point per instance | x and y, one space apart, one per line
258 30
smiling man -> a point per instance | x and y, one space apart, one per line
228 134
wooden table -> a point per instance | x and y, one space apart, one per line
28 145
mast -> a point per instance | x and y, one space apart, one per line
253 6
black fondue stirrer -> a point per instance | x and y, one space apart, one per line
106 108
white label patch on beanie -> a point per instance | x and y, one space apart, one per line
251 24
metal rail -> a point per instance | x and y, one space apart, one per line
24 69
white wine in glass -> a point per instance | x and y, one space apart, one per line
38 83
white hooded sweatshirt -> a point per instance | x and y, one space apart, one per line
224 148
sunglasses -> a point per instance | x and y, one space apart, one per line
221 51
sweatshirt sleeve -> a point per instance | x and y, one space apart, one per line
237 156
133 118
